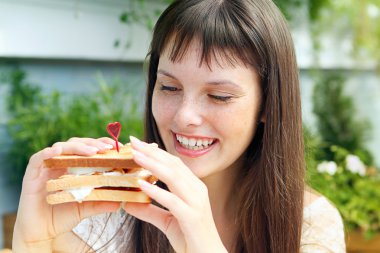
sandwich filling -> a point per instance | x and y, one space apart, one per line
80 193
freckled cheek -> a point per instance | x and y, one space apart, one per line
238 123
163 110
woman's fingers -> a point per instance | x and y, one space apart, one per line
86 146
161 156
161 219
102 143
167 199
36 219
73 213
152 214
77 148
37 159
169 169
47 174
177 183
158 154
110 141
33 169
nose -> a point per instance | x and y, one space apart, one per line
189 113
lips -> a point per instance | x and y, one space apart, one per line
193 146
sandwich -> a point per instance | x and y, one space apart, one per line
108 176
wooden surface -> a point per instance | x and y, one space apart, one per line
8 224
357 244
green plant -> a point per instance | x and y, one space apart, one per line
354 191
38 120
312 145
337 122
337 159
350 20
144 12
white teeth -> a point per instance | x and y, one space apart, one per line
192 143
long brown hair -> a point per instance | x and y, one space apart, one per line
271 193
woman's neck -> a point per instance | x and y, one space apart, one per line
220 188
223 200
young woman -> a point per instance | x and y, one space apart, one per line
223 106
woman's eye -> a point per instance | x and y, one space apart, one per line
168 88
221 98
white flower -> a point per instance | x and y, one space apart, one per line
328 167
355 165
373 11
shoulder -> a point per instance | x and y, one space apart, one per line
323 229
310 196
316 206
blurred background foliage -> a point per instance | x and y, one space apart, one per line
338 122
38 120
341 133
357 20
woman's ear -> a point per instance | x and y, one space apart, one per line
263 117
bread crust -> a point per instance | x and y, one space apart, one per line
73 181
119 161
110 158
100 195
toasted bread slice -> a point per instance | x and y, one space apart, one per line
110 158
100 195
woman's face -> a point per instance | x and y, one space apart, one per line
206 115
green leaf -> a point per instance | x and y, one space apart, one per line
124 17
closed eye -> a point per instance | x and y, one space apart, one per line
221 98
168 88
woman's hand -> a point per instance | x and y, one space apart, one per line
39 225
188 223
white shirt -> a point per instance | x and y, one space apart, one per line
322 230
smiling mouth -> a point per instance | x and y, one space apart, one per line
194 143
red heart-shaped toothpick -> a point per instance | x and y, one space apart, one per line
114 130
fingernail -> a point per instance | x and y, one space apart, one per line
144 184
134 139
136 142
93 149
56 150
108 146
154 145
137 154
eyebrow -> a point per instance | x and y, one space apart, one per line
216 82
163 72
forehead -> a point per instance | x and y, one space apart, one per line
217 70
195 51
